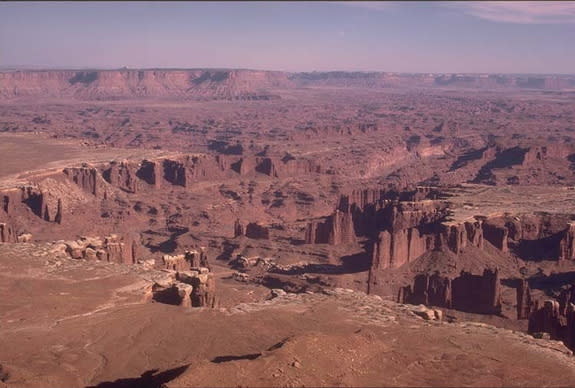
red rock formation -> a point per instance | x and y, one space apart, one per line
266 166
453 236
113 248
9 199
474 233
433 290
556 318
567 243
336 229
86 178
114 84
7 234
245 165
392 250
403 215
496 235
204 292
467 292
123 251
122 175
342 229
175 172
256 231
43 204
524 302
195 288
238 229
477 293
151 172
551 150
548 319
188 260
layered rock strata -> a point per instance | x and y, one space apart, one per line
467 292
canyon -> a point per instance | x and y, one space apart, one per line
212 227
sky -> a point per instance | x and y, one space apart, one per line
413 37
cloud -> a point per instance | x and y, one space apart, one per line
523 12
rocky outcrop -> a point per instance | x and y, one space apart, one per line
238 229
122 175
257 231
85 177
336 229
524 302
477 293
532 236
474 230
43 203
467 292
175 172
567 243
190 288
548 319
7 234
556 317
496 235
194 258
112 248
151 172
393 249
433 290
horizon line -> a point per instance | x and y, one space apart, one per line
127 68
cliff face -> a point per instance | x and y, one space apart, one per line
7 234
467 292
113 84
532 236
555 318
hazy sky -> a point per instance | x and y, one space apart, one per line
514 37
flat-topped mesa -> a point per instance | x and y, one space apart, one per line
112 248
190 288
132 83
467 292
